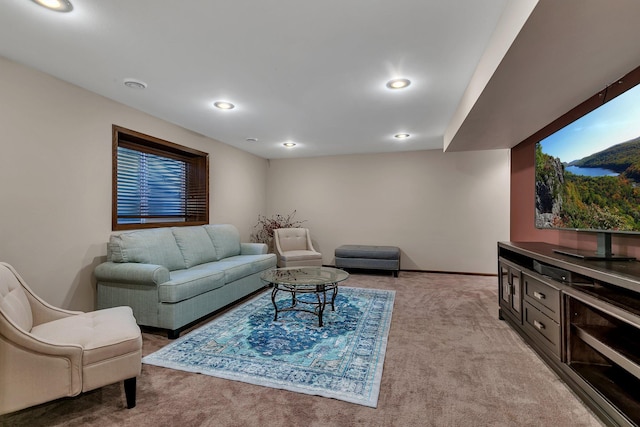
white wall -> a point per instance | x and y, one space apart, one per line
55 180
445 211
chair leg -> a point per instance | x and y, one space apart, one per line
130 392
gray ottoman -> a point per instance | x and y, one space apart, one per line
369 257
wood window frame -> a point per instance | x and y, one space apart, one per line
196 182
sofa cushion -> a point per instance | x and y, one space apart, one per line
185 284
102 334
156 246
13 301
195 244
240 266
301 255
225 238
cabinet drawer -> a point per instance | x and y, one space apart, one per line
542 328
543 296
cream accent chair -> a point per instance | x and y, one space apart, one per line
294 249
48 353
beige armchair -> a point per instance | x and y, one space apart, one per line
47 353
294 249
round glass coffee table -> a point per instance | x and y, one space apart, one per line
305 280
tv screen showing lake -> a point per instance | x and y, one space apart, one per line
587 174
590 171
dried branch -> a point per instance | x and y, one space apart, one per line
263 230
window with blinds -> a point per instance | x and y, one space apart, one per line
157 183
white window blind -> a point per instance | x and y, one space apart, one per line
157 183
151 188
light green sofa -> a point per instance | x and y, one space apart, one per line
171 277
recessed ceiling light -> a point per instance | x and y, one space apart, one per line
401 135
57 5
398 83
289 144
224 105
135 84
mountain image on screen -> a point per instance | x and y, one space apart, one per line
597 192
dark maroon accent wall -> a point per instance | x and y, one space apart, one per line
523 209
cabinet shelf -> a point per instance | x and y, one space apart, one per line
616 387
613 344
620 298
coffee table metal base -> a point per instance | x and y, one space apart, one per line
300 305
315 280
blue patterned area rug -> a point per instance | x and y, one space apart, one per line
341 360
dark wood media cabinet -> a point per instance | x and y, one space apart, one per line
582 317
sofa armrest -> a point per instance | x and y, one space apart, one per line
36 370
132 273
253 248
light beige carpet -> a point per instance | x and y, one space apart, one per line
449 362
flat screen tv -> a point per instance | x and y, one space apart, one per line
587 174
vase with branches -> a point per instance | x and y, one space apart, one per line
263 230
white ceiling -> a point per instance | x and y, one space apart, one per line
310 72
315 72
